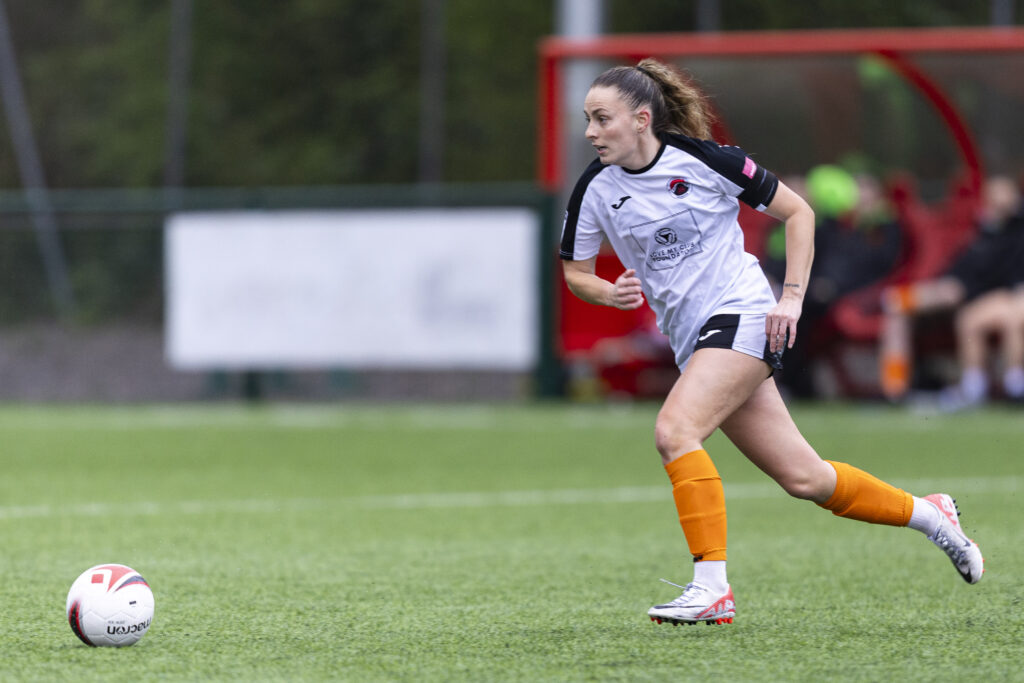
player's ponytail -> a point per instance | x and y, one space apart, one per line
677 106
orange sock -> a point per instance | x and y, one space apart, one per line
859 495
700 502
895 379
907 298
899 299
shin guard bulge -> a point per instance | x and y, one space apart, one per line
860 496
700 502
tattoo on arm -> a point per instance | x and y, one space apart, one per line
791 284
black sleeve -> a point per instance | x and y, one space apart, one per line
757 184
572 212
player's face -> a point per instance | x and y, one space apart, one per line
613 128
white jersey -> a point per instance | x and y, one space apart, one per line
675 223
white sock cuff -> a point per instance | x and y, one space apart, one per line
974 384
711 575
925 517
1013 382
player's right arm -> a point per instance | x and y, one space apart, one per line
625 293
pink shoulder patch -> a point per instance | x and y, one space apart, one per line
749 167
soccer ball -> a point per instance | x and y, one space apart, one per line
110 605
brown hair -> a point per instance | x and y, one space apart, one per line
677 106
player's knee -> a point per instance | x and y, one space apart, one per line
673 436
807 484
799 487
964 323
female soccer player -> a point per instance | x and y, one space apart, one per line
667 198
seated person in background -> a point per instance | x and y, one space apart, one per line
1013 382
978 280
856 242
998 313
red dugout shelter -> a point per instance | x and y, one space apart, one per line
940 106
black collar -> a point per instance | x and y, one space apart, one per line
649 166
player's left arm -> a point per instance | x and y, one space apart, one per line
789 207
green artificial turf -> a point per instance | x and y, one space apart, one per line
490 543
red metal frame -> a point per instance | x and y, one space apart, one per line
893 45
949 113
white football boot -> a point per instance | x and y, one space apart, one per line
697 603
950 537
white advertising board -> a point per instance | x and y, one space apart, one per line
396 288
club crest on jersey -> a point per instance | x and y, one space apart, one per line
678 187
666 236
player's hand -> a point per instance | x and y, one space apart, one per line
780 322
627 295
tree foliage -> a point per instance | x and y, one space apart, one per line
304 92
320 92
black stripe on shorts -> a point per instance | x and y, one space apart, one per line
719 332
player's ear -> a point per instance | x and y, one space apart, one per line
643 120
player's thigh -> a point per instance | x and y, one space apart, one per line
712 385
938 294
1017 304
986 313
764 431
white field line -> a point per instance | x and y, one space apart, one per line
465 417
479 499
